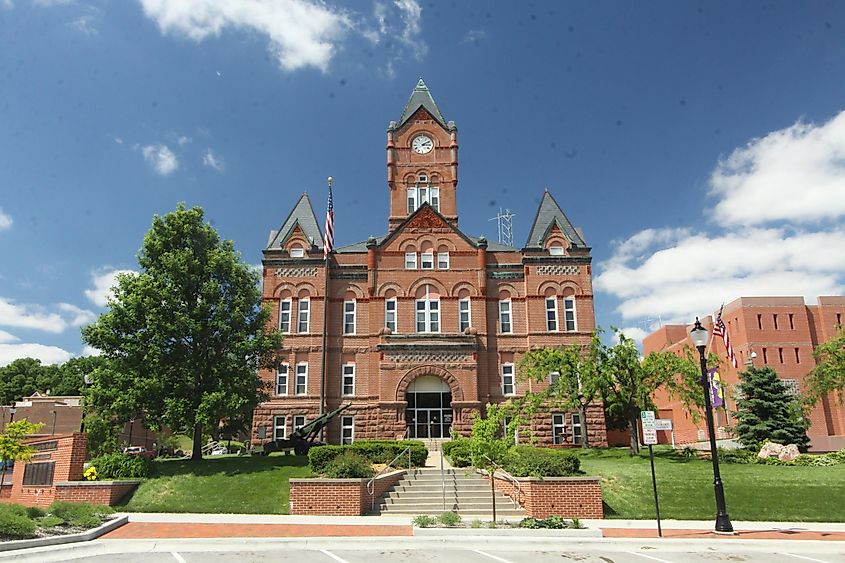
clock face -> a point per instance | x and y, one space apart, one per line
422 144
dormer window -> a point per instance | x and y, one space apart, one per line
556 250
297 252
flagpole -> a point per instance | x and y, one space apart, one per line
327 238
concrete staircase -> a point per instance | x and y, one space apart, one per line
467 493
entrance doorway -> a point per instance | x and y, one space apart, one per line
429 413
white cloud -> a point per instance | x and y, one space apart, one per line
779 199
161 158
86 25
183 140
635 333
103 280
5 221
79 316
47 354
411 14
473 36
6 338
48 3
211 160
302 33
30 316
90 351
796 174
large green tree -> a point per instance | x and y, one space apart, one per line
25 376
767 412
631 381
579 380
186 335
828 377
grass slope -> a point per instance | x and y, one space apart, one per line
220 484
685 488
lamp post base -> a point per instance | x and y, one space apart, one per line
723 524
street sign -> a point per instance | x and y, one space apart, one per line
647 417
663 424
649 436
649 427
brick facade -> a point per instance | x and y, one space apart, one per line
783 332
568 497
552 270
65 452
95 492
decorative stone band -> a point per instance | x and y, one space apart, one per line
505 275
558 270
303 272
428 357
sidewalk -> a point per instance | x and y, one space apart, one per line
170 526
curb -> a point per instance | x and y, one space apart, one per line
87 535
513 532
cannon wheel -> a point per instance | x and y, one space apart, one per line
301 449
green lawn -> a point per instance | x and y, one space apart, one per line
685 488
220 484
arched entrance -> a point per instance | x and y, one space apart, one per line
429 411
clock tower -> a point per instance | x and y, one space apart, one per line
422 160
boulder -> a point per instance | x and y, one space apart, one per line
770 449
788 453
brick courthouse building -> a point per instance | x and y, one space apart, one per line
426 324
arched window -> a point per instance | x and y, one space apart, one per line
428 310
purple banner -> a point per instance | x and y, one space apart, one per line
716 387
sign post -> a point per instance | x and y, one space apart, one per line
650 438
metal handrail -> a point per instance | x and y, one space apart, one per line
371 487
508 477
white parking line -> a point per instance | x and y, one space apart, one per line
333 556
648 557
804 557
478 551
178 557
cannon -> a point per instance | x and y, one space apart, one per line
302 438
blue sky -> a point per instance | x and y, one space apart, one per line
700 145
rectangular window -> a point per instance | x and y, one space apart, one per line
428 315
555 251
38 474
797 357
390 314
412 200
554 376
284 316
304 314
464 314
551 314
442 260
505 317
576 428
780 354
791 321
348 379
838 319
569 314
775 321
759 322
427 261
418 195
435 199
349 317
297 252
765 356
347 429
298 422
282 379
410 260
280 427
506 423
558 429
301 378
508 385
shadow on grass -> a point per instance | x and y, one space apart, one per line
608 510
227 465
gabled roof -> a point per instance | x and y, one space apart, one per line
548 215
424 210
421 97
302 215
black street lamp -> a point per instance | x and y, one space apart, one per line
723 521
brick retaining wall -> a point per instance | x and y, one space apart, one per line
94 492
337 497
569 497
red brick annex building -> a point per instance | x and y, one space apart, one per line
776 332
425 324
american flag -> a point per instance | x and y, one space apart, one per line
328 241
719 329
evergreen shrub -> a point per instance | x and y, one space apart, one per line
530 461
459 452
349 465
375 451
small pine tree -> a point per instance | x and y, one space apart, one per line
767 412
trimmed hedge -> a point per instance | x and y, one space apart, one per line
458 451
374 451
529 461
349 465
122 466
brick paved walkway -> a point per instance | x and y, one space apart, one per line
168 530
742 534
